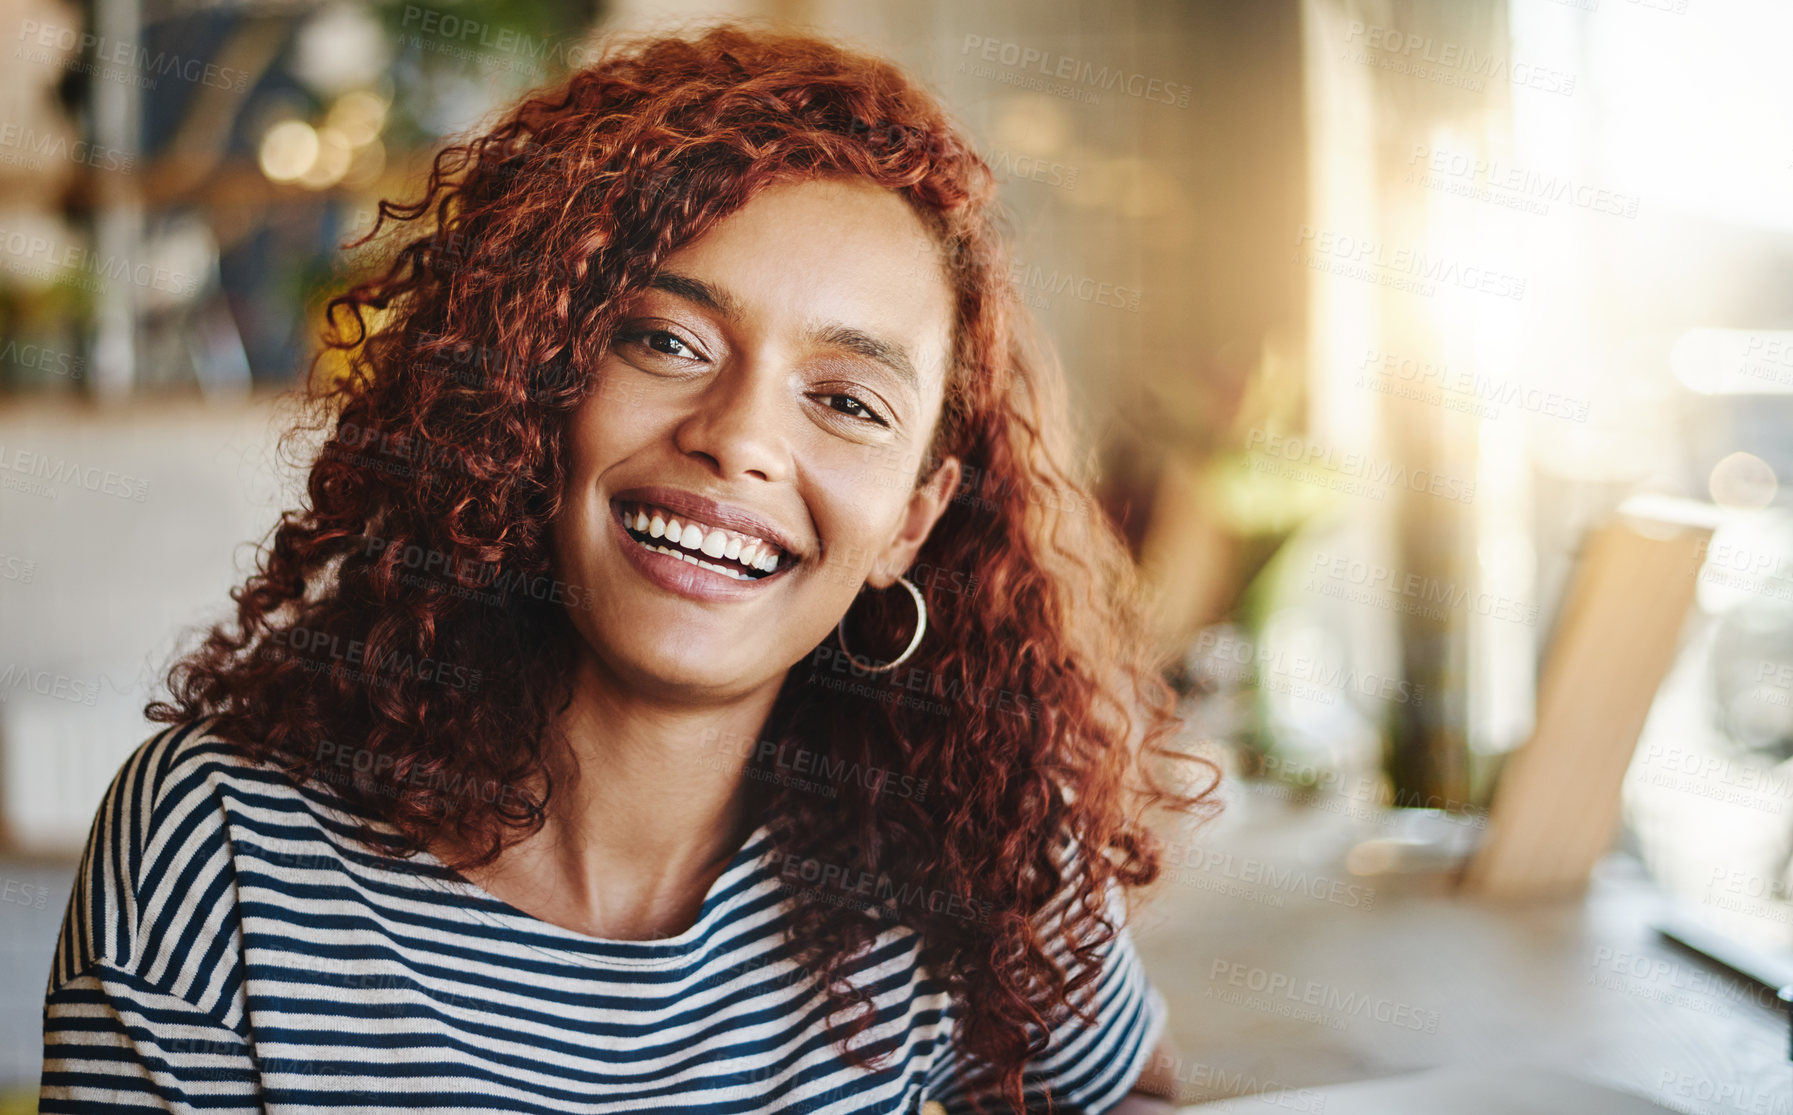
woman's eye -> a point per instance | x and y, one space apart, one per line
854 408
660 341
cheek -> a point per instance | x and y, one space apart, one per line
857 514
588 448
863 483
605 430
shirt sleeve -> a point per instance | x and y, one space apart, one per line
112 1043
114 1039
1089 1067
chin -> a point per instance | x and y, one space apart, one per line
674 671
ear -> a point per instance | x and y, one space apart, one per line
926 505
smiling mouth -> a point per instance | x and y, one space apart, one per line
730 553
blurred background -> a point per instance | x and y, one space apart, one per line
1438 358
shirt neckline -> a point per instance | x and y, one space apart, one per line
752 854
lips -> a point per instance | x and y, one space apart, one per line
718 552
742 556
690 507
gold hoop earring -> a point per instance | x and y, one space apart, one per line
921 627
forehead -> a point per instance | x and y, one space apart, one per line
834 250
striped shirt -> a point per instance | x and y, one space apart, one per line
228 948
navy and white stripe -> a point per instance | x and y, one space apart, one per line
229 948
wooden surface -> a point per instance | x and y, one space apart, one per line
1495 1089
1581 986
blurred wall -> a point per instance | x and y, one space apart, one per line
1119 131
125 530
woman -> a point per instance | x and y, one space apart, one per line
697 682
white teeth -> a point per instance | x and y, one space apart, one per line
735 573
716 542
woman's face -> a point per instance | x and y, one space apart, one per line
772 393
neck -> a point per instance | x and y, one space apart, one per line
657 802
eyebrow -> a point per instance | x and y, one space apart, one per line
832 334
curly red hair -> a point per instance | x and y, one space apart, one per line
425 545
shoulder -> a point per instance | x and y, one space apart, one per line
158 863
1075 896
1093 1057
1097 1060
170 781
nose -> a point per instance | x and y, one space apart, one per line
738 422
